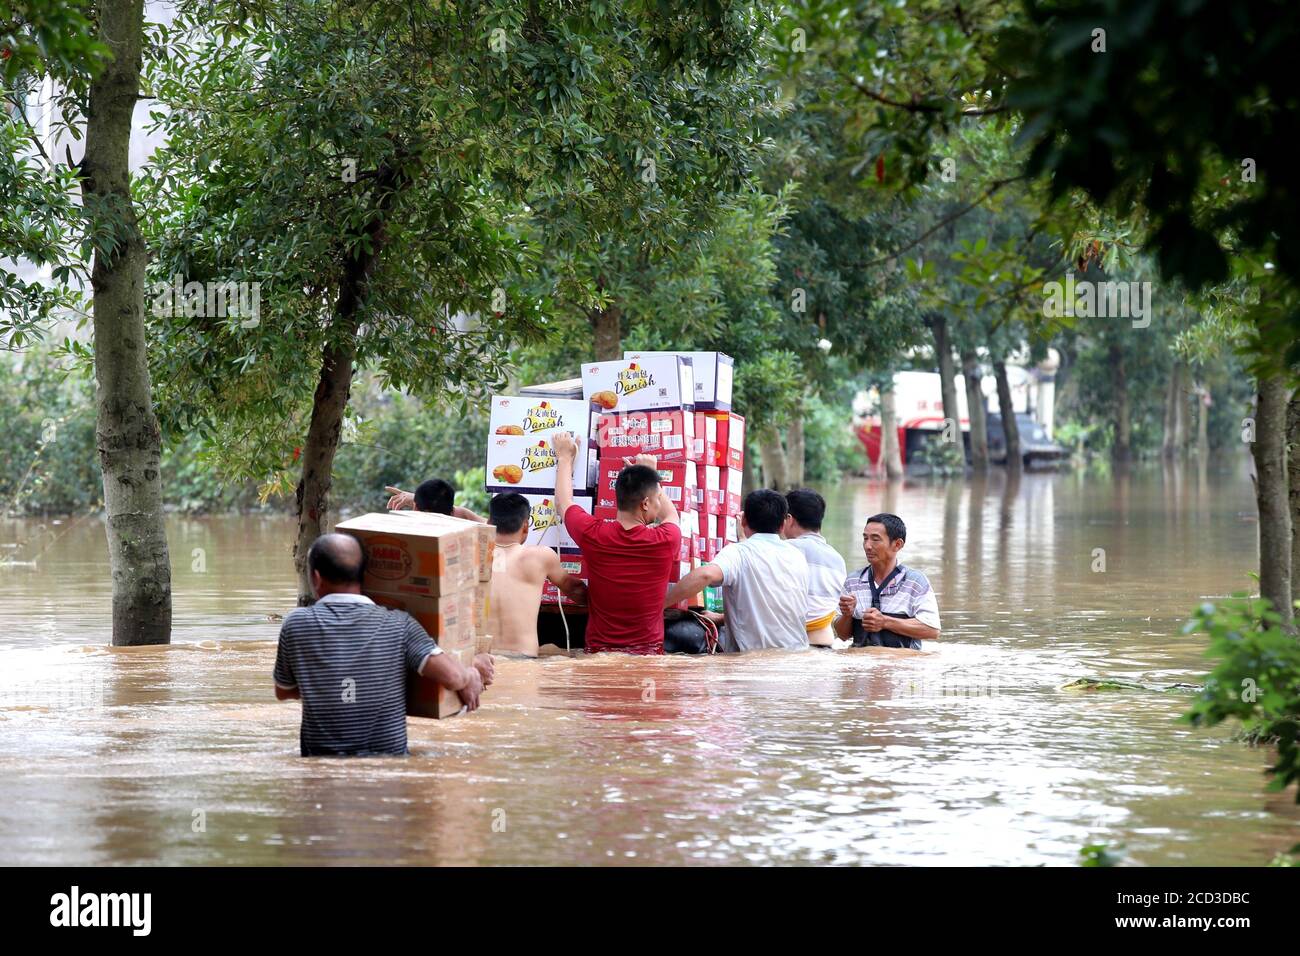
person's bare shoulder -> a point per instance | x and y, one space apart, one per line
540 562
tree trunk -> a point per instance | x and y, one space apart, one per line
1122 449
1166 445
126 430
312 497
1010 427
794 444
947 371
1293 482
979 435
330 402
607 333
1178 408
749 479
1269 452
1203 423
775 472
890 459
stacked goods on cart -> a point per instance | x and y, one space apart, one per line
439 570
521 457
653 403
720 463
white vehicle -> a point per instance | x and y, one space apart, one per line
918 407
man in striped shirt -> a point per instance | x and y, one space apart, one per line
826 569
346 658
887 604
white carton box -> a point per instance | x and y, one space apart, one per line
546 524
713 372
527 463
659 381
530 415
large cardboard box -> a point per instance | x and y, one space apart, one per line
486 536
416 556
728 449
570 388
526 463
706 436
668 434
427 698
661 381
731 497
720 488
451 620
676 478
546 525
713 373
533 415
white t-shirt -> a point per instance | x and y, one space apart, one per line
826 573
764 594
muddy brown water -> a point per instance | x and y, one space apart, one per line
969 753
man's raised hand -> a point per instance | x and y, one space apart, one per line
565 445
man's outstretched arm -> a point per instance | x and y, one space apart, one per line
706 575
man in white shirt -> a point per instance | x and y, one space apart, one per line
764 581
826 570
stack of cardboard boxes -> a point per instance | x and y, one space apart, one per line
439 570
521 457
677 407
673 405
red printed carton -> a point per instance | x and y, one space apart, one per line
668 434
676 478
728 446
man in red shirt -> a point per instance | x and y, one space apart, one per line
629 560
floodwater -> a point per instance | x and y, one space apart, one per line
968 753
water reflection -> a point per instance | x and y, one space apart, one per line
968 753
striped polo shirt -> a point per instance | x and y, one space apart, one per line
348 657
908 593
826 573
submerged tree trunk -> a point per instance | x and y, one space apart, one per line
312 497
607 332
794 449
1181 411
1203 423
330 402
1122 449
1293 483
775 471
1010 427
1167 442
979 436
890 459
1269 451
947 372
126 430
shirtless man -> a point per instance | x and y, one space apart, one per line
518 572
435 495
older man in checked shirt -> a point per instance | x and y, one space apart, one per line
886 603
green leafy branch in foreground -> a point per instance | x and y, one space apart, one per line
1256 681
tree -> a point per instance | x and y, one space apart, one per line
386 176
94 55
127 433
1141 108
40 222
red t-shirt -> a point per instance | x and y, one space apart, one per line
627 579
